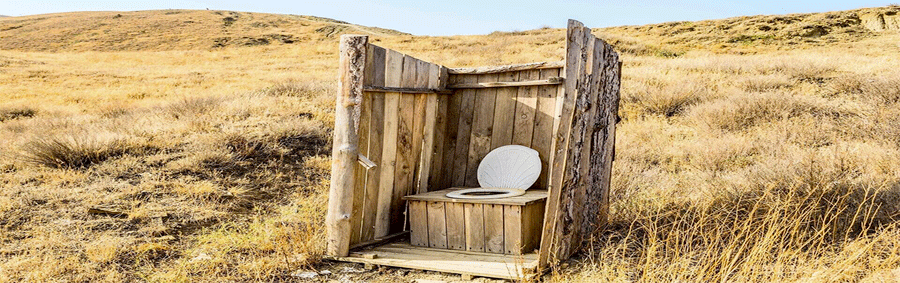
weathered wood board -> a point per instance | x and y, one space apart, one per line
501 226
426 128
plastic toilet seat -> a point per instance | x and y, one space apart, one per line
485 193
506 171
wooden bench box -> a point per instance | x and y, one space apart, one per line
503 226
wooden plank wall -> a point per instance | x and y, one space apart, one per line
425 140
582 146
398 133
480 120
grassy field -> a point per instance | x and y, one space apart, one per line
757 149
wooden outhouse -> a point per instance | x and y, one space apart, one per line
406 128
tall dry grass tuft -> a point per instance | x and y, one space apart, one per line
884 89
747 110
10 113
79 150
665 98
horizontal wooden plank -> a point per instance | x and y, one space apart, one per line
507 68
380 241
530 196
406 90
527 258
450 261
548 81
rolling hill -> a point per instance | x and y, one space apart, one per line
184 146
167 30
199 30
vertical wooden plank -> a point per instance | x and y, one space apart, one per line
376 133
423 70
532 224
493 228
577 165
451 139
432 146
474 213
603 144
418 140
405 165
594 116
526 106
456 226
512 230
552 246
392 78
359 191
345 152
437 225
504 111
543 125
423 73
482 129
418 223
464 133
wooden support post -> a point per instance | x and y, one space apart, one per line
345 152
582 152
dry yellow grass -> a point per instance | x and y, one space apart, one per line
771 158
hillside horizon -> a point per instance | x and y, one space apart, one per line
209 29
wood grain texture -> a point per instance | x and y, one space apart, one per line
411 90
344 153
504 112
359 190
513 240
482 129
474 227
594 115
583 147
493 228
418 223
544 118
552 246
456 225
439 144
603 146
526 106
376 138
418 141
507 68
575 181
464 134
405 165
437 225
510 267
451 136
532 225
430 131
503 82
393 77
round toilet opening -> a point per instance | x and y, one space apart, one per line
483 193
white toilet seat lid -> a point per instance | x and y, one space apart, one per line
511 166
485 193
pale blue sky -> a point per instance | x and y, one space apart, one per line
466 17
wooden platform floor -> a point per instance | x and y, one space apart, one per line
402 254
